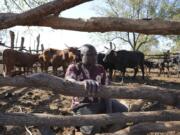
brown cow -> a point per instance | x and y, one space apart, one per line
57 58
13 58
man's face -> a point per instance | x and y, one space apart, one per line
89 56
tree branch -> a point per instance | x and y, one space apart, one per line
27 3
59 85
143 42
138 37
33 15
95 24
17 5
134 40
120 38
144 128
129 40
21 119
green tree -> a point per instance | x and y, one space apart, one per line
176 47
20 5
137 9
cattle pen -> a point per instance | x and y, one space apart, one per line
56 85
29 103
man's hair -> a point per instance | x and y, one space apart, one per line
89 46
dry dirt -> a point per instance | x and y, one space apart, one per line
40 101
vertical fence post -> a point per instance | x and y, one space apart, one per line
42 47
38 42
22 44
30 50
12 36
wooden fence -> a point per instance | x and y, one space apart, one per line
22 47
58 85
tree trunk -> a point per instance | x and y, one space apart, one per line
59 85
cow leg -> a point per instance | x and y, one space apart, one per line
28 70
149 71
64 69
110 74
7 70
46 65
142 70
160 71
168 72
54 70
135 72
24 68
114 75
42 67
123 75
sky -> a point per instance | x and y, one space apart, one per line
58 38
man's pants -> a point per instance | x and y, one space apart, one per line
97 108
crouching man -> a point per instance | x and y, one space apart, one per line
91 75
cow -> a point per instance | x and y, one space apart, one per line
151 65
176 61
13 58
120 60
57 58
107 66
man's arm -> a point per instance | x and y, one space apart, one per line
91 86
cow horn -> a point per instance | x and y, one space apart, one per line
110 45
114 46
66 45
106 47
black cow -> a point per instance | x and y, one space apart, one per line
151 65
123 59
107 66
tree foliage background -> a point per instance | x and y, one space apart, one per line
133 9
138 9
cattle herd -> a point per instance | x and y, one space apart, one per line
16 62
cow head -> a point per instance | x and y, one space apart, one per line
75 53
110 56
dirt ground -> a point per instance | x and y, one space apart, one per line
41 101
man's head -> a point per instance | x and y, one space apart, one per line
88 54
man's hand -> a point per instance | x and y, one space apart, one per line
91 86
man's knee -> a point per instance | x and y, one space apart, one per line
90 130
118 107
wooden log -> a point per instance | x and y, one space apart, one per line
99 24
22 44
12 37
95 119
106 24
42 47
30 50
17 37
59 85
33 15
144 128
38 43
